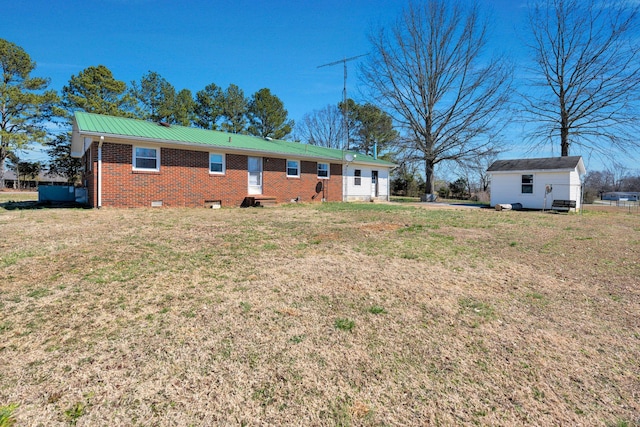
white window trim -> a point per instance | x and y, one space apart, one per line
287 168
357 179
523 184
224 164
156 169
328 170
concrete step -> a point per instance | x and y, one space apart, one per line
258 200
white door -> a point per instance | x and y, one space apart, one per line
255 175
374 184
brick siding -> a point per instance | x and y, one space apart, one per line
184 179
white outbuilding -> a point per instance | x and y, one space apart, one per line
364 181
537 183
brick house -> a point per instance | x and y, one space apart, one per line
136 163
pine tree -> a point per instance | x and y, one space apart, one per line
25 104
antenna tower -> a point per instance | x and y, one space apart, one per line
344 95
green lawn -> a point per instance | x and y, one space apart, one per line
14 196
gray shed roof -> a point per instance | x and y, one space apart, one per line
545 163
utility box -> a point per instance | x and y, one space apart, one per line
62 194
56 193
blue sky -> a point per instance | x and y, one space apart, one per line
275 44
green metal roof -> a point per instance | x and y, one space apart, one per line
87 124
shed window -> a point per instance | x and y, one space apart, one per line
323 170
145 158
357 180
216 163
293 168
527 184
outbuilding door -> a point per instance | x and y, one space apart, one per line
255 175
374 184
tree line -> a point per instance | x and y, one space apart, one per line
434 91
618 178
28 108
96 90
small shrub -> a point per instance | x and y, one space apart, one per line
376 309
190 314
245 307
6 415
444 192
5 326
409 256
478 307
297 339
74 413
345 324
38 293
482 196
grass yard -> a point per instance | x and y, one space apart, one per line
18 196
332 314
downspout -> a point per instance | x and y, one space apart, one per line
100 171
345 183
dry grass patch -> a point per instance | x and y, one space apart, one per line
333 314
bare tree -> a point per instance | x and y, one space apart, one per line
586 88
475 170
631 183
431 73
618 173
322 127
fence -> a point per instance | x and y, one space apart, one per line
631 206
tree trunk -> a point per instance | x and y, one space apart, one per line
564 138
429 178
564 124
1 173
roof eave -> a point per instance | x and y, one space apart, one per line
534 170
390 165
77 144
582 170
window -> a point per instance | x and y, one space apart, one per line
357 177
527 184
216 163
293 168
145 158
323 170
